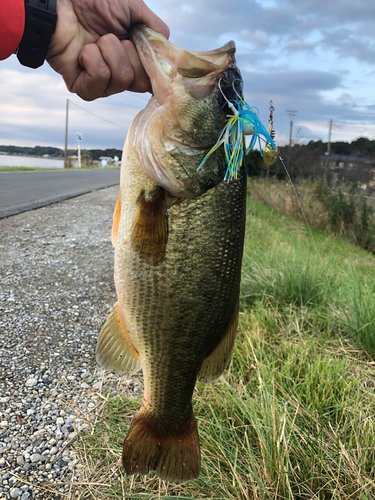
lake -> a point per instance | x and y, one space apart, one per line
29 161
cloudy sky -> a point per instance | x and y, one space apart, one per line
316 57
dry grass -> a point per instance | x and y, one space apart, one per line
281 195
338 212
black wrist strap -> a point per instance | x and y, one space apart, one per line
40 23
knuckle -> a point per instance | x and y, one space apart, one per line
125 78
103 73
107 40
143 85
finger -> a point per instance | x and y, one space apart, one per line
141 81
127 72
140 13
95 75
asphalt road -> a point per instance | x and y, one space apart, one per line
23 191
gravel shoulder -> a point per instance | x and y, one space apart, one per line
56 290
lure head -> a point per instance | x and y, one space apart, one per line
186 114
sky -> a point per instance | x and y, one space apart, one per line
311 56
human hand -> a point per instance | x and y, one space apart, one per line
90 48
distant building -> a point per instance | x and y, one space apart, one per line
72 161
337 162
107 161
350 168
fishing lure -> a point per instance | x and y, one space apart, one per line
244 121
270 153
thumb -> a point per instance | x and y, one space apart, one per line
140 13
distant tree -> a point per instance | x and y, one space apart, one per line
112 152
254 164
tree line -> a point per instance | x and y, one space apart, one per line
94 154
309 161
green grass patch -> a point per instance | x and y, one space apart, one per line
23 169
293 416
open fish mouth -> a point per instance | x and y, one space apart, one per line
166 63
231 85
186 114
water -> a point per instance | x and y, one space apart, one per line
27 161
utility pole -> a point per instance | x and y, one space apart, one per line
66 134
329 138
292 113
79 139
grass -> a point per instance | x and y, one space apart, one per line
340 210
23 169
293 415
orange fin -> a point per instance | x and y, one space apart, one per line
150 230
215 363
174 455
114 351
116 219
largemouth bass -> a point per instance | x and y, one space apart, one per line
178 233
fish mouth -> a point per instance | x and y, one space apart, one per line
231 87
186 113
165 63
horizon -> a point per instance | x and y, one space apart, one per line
121 149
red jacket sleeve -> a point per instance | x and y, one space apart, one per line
12 25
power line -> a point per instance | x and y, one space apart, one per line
100 117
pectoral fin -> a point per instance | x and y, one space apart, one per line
116 219
114 351
215 363
150 230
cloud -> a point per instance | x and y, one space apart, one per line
314 56
351 44
346 99
301 45
34 112
299 87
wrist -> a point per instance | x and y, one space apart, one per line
40 23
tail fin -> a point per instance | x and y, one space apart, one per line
174 455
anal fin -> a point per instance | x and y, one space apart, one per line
150 229
174 455
116 219
114 351
216 361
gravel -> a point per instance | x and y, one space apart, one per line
56 290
